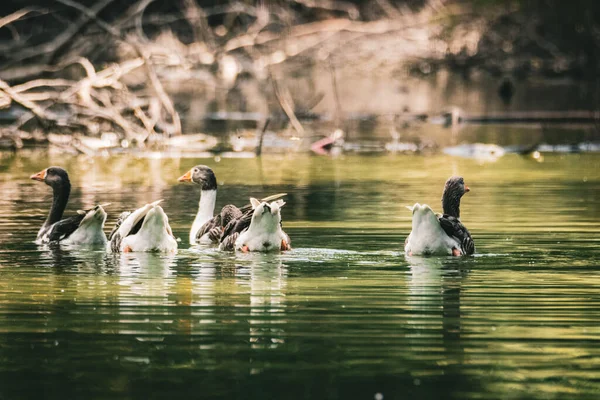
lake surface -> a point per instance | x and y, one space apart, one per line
345 315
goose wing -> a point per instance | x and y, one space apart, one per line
210 226
128 223
214 227
454 228
116 235
234 228
63 229
248 207
120 220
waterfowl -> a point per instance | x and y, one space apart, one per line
435 234
205 177
145 229
258 229
85 228
208 228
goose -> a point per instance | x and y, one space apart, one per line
145 229
85 228
435 234
258 229
208 228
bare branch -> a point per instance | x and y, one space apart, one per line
285 101
17 98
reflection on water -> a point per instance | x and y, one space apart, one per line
343 315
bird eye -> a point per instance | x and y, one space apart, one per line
195 170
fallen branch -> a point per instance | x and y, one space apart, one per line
285 101
17 15
261 137
154 81
17 98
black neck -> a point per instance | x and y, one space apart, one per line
61 193
451 203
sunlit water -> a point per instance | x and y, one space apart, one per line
344 315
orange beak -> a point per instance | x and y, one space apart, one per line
187 177
39 176
467 189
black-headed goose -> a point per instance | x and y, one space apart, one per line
435 234
85 228
207 228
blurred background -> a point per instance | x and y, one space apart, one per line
470 78
354 109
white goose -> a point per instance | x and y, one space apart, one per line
85 228
434 234
145 229
257 230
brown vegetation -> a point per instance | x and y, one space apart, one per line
107 68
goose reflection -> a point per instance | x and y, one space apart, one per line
64 258
266 280
436 283
145 265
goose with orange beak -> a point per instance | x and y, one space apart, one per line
207 228
435 234
85 228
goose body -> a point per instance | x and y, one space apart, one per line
145 229
427 236
435 234
258 229
90 229
85 228
208 228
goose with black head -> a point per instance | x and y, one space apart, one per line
85 228
207 228
441 234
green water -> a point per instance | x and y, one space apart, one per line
345 315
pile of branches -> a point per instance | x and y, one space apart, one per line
97 102
102 70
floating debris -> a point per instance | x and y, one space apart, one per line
479 151
249 140
195 142
328 144
401 147
584 147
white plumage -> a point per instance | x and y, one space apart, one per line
427 236
155 233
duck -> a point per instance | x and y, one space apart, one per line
259 229
145 229
445 234
207 228
85 228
